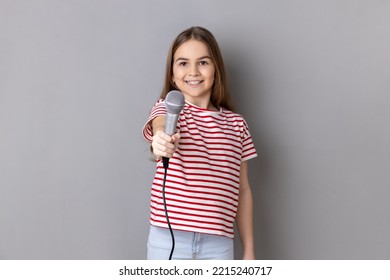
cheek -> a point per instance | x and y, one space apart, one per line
212 76
176 74
211 73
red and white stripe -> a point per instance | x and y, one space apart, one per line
203 178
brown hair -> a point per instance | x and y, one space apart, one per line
220 93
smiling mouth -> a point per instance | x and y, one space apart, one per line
193 83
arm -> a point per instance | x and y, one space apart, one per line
244 217
163 145
158 124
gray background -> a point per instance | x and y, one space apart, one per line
78 79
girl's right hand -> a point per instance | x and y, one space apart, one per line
164 145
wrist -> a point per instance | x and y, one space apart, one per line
158 128
248 255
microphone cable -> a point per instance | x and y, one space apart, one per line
166 164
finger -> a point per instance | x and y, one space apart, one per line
162 150
176 137
160 144
164 145
162 135
164 141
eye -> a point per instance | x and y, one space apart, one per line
203 62
183 63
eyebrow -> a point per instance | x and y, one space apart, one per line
186 59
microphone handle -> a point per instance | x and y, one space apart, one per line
170 123
170 129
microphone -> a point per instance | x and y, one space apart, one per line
174 103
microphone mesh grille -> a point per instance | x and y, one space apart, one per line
174 102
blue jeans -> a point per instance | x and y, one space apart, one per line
188 245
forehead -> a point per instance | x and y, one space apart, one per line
192 49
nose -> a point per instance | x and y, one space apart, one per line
194 71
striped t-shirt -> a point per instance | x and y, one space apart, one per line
203 177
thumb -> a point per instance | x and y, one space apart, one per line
176 137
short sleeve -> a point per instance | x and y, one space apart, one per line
248 147
158 109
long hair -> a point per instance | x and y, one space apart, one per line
220 93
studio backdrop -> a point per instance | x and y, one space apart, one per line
77 81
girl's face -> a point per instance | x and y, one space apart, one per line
193 72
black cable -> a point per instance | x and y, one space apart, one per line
166 164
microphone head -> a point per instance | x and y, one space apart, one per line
174 102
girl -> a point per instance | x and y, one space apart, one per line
207 186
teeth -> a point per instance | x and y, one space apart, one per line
193 83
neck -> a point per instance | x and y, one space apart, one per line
204 103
